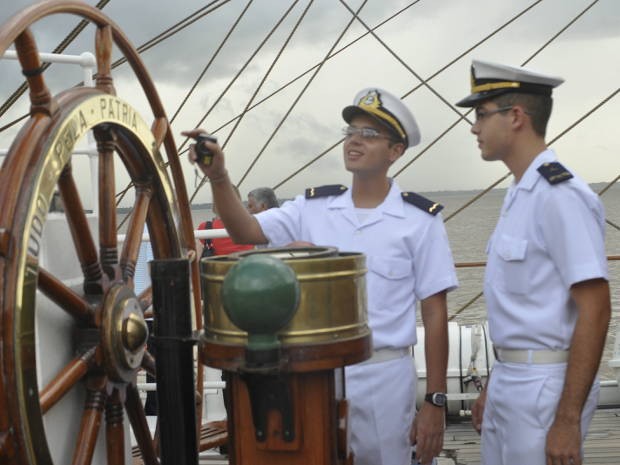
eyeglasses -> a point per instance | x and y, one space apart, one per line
366 133
480 114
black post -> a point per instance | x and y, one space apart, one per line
174 363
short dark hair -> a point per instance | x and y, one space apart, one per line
266 196
537 106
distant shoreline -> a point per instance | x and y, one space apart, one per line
597 186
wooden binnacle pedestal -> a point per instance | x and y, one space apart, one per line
287 405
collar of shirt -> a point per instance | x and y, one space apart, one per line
392 204
531 175
529 178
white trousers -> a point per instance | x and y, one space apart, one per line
520 408
381 400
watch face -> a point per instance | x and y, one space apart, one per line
439 399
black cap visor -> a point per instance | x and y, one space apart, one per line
350 112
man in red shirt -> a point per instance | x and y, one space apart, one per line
220 245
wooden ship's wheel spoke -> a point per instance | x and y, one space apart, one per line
73 330
107 203
137 418
80 232
115 433
146 302
148 363
66 379
63 296
103 45
131 246
90 425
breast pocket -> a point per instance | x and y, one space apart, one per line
389 267
391 277
514 276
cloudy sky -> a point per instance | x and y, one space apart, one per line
428 36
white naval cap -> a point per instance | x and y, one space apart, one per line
389 110
488 80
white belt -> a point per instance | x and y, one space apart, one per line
530 356
387 353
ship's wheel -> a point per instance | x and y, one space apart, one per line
73 339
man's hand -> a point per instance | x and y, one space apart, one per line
242 227
299 244
427 432
563 443
216 169
477 411
199 248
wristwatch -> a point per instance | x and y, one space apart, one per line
438 399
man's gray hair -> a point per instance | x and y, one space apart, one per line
265 196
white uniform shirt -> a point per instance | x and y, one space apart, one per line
407 253
548 238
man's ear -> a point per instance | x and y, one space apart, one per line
396 151
519 115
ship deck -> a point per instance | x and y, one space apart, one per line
602 447
462 443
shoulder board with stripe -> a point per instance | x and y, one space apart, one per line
422 202
554 172
325 191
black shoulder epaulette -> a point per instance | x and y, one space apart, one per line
422 202
324 191
554 172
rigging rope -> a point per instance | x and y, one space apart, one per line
315 69
242 69
172 30
611 183
260 85
555 36
601 192
166 34
309 70
538 51
14 122
476 197
288 112
295 79
564 132
465 306
461 117
471 201
227 87
423 81
273 63
59 49
485 191
208 65
476 45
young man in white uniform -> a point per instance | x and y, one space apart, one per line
408 260
546 280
